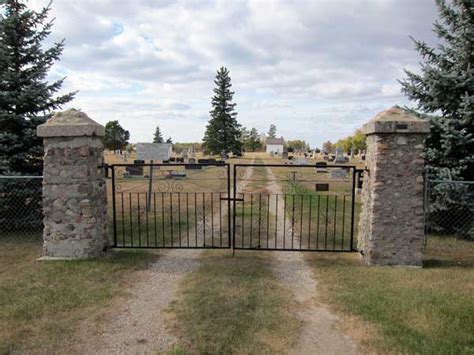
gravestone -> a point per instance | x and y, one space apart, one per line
125 156
352 152
301 161
321 167
136 169
192 160
339 156
338 174
284 155
184 154
154 151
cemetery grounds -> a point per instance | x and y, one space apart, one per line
45 306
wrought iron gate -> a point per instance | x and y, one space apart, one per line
171 205
258 207
294 207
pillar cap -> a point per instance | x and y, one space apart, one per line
70 123
396 120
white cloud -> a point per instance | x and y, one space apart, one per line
317 69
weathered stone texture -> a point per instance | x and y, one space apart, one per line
74 188
391 225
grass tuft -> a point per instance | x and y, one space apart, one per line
235 305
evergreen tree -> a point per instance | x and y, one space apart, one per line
444 92
272 131
26 99
244 136
223 131
253 143
116 138
169 140
158 138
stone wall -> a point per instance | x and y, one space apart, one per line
391 228
74 187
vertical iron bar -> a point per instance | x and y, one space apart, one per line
343 220
187 218
113 208
326 222
276 219
179 218
154 217
259 217
301 221
212 219
335 224
204 218
309 226
163 219
268 217
131 217
230 227
148 200
195 219
284 222
139 221
123 220
220 218
146 221
353 208
171 218
317 223
251 219
293 221
243 219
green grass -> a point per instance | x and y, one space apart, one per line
234 305
416 311
41 303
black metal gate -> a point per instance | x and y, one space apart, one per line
171 205
258 207
294 207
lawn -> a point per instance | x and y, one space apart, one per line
422 311
234 305
42 303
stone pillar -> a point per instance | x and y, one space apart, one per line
391 222
74 187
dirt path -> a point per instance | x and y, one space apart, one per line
138 326
320 333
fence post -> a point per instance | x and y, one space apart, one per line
74 187
391 228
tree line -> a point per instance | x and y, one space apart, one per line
443 92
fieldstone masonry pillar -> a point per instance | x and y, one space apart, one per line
74 188
391 222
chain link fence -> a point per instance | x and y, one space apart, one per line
449 220
21 214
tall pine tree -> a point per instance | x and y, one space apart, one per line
158 137
26 98
444 91
272 131
223 131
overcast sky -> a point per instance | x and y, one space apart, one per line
316 69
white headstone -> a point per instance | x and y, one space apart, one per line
154 151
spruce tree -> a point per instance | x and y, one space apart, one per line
444 92
223 131
26 99
272 131
158 138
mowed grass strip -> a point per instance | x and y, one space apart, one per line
234 305
415 311
42 303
